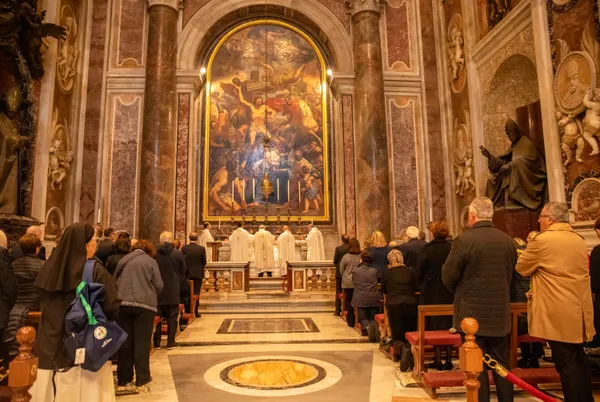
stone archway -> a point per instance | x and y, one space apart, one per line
190 40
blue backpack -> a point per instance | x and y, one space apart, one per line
90 338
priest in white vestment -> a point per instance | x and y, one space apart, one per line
240 242
314 241
264 257
205 238
286 245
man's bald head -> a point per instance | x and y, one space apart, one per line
286 228
345 238
36 231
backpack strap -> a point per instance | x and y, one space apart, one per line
88 271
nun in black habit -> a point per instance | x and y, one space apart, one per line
58 378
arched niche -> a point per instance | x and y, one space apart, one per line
214 19
514 84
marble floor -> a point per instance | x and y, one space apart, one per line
313 357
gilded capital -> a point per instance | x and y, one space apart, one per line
174 4
357 6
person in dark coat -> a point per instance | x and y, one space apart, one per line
366 297
26 270
433 291
8 293
478 271
106 246
347 266
340 252
595 281
57 282
195 259
399 285
412 249
122 248
139 282
531 352
16 251
379 249
172 271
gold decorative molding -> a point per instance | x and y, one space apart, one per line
174 4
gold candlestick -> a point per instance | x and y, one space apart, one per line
253 219
289 220
278 229
232 218
266 214
299 232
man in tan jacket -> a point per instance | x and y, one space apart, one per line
560 299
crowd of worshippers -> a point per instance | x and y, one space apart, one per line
142 281
481 272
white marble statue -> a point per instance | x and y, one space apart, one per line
241 243
570 137
286 244
204 239
264 257
591 121
316 247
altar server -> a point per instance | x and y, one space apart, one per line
286 244
206 237
314 241
240 242
263 251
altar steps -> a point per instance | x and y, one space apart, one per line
270 301
257 284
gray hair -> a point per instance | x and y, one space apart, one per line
166 237
482 208
557 211
395 258
413 232
35 230
262 227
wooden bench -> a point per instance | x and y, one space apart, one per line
421 339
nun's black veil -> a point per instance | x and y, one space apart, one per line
64 268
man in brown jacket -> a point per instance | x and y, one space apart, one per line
560 299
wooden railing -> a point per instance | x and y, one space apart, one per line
23 369
470 358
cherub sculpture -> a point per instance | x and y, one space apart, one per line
570 128
456 52
591 121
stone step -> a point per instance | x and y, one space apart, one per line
265 283
269 301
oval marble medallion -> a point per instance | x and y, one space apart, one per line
274 376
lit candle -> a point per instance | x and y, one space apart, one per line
99 215
431 214
219 223
288 192
278 190
232 192
244 190
253 190
299 195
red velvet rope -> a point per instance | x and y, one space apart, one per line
529 388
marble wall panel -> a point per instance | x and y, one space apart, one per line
434 128
93 113
398 35
508 80
339 9
190 8
575 30
405 175
349 179
126 131
183 132
130 33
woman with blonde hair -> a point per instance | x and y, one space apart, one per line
379 249
399 285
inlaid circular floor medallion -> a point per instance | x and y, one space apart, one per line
274 376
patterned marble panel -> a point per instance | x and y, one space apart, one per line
183 123
126 132
93 113
130 33
350 199
436 154
508 80
267 325
398 29
339 9
402 132
191 7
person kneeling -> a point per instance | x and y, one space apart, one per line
366 296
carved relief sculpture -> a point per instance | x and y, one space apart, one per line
463 156
456 54
496 10
60 156
573 83
570 137
519 176
68 51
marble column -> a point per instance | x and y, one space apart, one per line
370 138
159 133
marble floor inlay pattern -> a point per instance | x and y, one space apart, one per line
267 326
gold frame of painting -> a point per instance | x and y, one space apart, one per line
325 127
